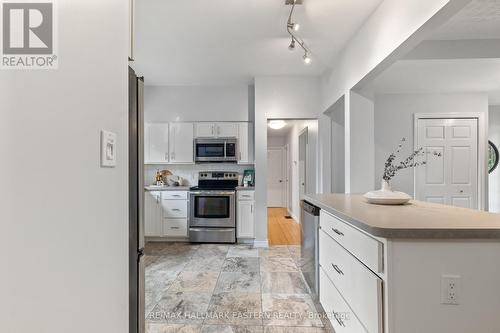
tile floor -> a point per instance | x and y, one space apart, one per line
211 288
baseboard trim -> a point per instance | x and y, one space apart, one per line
261 243
294 217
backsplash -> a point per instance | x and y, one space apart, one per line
189 173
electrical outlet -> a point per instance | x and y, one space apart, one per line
450 289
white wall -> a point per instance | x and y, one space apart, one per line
359 140
394 120
198 103
337 115
278 98
494 177
292 140
276 141
64 220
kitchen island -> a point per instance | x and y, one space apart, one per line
419 267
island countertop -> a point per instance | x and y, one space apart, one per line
417 219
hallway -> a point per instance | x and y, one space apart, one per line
282 231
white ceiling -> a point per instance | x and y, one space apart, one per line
199 42
440 76
480 19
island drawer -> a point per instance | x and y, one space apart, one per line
342 318
359 286
174 195
367 249
246 195
175 227
174 208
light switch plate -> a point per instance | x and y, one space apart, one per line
108 149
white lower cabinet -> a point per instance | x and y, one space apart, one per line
166 214
360 287
342 318
245 219
152 214
175 227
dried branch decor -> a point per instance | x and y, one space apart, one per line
391 169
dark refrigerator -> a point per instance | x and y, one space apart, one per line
136 204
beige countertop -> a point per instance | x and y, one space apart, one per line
417 219
166 188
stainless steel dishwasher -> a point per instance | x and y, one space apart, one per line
309 263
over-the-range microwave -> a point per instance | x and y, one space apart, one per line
222 150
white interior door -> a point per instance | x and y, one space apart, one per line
275 178
451 178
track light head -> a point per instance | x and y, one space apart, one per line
293 26
307 59
291 47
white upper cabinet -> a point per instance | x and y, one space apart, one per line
245 143
216 130
181 143
205 130
172 143
156 142
227 130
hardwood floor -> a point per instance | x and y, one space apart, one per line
282 231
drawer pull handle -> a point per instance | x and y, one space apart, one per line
337 318
338 232
174 227
337 269
176 210
176 195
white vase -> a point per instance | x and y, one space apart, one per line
386 186
386 196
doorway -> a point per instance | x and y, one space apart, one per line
451 175
290 164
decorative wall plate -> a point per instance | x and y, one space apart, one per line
492 157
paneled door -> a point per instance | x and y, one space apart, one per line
275 178
452 177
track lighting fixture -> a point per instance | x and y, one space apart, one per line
292 27
307 58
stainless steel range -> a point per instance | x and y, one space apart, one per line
212 217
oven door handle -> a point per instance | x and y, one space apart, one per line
212 193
